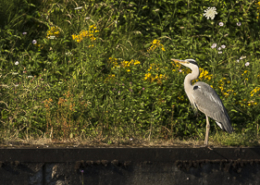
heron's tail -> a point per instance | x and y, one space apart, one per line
228 128
225 125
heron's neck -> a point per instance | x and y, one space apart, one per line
191 76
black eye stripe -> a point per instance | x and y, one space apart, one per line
195 63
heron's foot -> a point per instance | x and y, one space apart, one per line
205 146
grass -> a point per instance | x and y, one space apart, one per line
92 73
217 140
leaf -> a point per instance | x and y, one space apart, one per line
233 110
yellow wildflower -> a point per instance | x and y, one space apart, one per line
251 103
110 77
255 90
204 74
162 48
155 41
230 90
136 62
53 31
125 63
148 75
86 34
73 36
156 44
226 94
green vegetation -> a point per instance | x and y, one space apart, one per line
101 70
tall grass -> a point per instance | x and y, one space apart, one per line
101 69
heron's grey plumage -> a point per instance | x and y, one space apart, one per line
208 102
205 99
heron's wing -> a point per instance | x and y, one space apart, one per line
208 102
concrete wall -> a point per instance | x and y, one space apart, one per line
130 173
129 166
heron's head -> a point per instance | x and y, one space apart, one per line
190 63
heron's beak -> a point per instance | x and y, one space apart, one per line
179 61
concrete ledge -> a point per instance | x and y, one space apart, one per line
57 155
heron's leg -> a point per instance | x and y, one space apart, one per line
207 131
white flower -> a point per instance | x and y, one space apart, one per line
237 60
210 12
34 42
78 8
219 48
242 57
51 37
247 64
29 76
221 24
16 63
223 46
137 32
16 85
14 73
87 18
24 33
238 23
180 70
68 53
214 45
115 22
220 52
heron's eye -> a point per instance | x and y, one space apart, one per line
196 87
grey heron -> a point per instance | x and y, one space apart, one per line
204 98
